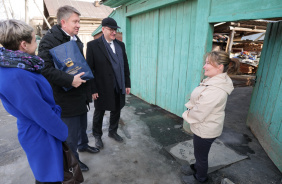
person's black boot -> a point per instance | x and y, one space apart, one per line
99 143
188 169
116 137
191 180
82 166
89 149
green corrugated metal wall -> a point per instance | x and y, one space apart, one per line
161 43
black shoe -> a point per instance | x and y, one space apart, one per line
83 167
188 169
98 142
89 149
116 137
192 180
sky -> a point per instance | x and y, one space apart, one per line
18 7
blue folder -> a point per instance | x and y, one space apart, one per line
68 58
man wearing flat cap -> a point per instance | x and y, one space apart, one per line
107 59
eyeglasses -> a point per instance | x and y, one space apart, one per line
111 30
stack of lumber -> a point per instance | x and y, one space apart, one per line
249 46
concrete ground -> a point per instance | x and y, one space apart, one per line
142 159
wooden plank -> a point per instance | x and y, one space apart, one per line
184 52
135 21
135 73
154 50
265 111
267 62
133 57
170 95
231 41
248 30
272 82
161 52
187 50
147 69
146 58
145 6
143 58
270 144
163 56
203 36
263 14
116 3
166 53
277 116
128 40
258 84
234 10
177 58
275 127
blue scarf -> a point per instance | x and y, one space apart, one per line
19 59
117 64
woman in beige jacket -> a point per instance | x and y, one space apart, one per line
205 112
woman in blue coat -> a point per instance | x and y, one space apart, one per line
27 95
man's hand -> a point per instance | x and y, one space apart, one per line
95 96
77 81
127 90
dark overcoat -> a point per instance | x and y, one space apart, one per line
103 82
73 102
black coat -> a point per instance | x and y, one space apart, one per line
73 102
103 82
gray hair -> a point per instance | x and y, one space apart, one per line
13 32
65 12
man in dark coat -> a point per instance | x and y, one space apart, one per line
75 101
107 58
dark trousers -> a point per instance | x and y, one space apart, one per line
98 122
201 152
38 182
114 119
77 137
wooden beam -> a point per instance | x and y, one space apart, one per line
262 14
227 45
259 37
146 6
42 15
231 41
247 29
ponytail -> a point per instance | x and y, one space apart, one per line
233 67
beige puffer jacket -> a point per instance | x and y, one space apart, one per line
207 105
